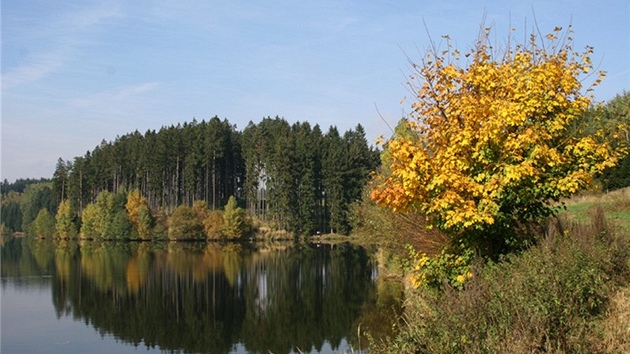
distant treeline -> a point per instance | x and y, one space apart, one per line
20 185
291 176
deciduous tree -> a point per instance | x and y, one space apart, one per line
36 196
139 214
65 224
44 224
236 223
213 225
495 137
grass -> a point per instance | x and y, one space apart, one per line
616 206
568 294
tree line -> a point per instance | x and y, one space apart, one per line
292 177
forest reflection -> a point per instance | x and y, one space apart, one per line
207 298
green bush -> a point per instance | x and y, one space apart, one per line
106 218
184 224
44 224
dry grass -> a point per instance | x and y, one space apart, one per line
615 327
395 230
601 197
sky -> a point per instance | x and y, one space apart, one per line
75 73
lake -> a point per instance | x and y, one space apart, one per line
105 297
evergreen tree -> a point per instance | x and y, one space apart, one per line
306 151
283 170
61 178
80 178
254 188
119 227
11 215
333 173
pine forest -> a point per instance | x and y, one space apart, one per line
290 177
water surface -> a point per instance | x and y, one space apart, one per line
100 297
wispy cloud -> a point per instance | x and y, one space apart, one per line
42 133
109 98
53 44
36 69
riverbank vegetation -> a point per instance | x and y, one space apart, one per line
567 294
489 156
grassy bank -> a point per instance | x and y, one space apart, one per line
568 294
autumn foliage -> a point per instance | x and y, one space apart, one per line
495 136
139 214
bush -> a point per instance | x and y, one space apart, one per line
184 224
213 225
544 300
106 218
495 141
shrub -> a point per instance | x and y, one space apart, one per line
184 224
213 225
107 217
545 299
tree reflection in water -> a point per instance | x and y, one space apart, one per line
207 298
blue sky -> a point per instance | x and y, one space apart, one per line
77 72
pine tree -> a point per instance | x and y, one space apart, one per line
333 173
61 178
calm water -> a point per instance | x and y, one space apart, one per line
64 297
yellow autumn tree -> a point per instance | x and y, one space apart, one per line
139 214
494 138
65 226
